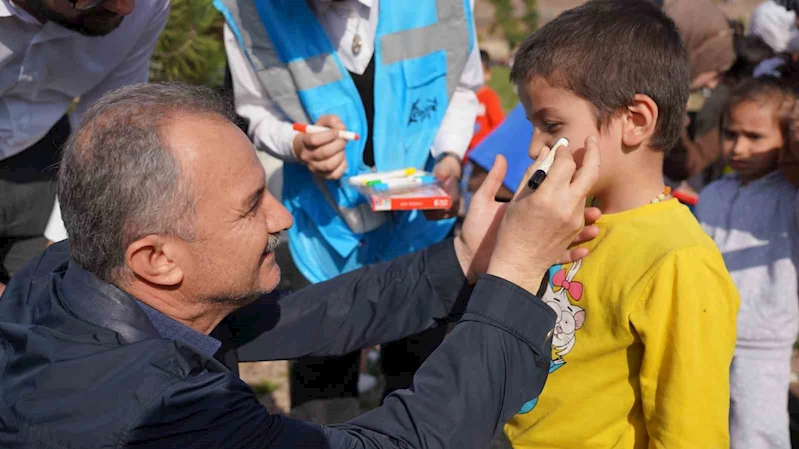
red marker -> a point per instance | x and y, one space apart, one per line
313 129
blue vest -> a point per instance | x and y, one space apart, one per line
420 53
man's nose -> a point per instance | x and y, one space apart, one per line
278 217
121 7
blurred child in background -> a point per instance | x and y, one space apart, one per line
752 217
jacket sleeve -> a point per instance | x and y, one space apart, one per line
496 358
376 304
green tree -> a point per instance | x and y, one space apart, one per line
512 26
190 49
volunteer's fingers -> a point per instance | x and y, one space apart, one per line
328 150
318 139
339 171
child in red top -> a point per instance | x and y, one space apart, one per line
490 114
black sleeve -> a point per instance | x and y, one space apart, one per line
496 359
376 304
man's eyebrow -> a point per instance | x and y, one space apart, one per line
252 200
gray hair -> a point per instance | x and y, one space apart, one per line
118 181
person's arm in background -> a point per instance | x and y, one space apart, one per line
456 131
322 153
686 320
494 110
268 131
134 69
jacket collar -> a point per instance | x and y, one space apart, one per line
105 305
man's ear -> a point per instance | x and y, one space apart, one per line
641 121
153 258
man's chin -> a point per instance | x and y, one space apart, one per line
92 27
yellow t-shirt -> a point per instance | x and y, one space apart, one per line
643 343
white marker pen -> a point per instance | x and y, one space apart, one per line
541 173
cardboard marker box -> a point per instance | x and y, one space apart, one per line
425 198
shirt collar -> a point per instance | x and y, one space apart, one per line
105 305
323 5
173 330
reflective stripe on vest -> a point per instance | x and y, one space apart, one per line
281 81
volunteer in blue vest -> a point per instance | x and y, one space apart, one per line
401 77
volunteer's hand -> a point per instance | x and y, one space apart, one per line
538 227
476 243
789 156
448 172
323 153
2 288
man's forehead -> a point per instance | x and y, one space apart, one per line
217 156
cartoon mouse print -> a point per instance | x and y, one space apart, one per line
562 289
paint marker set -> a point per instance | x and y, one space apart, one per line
406 189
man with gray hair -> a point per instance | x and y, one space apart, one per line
125 335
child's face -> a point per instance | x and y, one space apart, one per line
752 139
556 112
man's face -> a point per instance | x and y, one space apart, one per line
98 21
556 112
238 222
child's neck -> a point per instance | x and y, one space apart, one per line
631 192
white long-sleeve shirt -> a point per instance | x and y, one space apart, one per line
272 131
44 67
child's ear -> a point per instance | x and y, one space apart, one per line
641 121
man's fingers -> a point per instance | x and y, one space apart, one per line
588 174
493 181
562 170
522 188
592 214
588 233
573 255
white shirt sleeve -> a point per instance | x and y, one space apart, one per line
457 128
267 128
55 230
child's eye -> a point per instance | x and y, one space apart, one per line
729 135
551 127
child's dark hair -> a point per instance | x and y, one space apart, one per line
485 58
607 51
763 90
750 51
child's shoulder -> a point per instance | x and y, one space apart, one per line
660 230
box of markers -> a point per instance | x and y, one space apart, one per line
407 189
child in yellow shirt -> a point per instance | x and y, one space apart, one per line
646 323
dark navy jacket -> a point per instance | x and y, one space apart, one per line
81 364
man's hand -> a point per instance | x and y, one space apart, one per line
538 227
448 172
2 288
478 237
323 153
789 156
